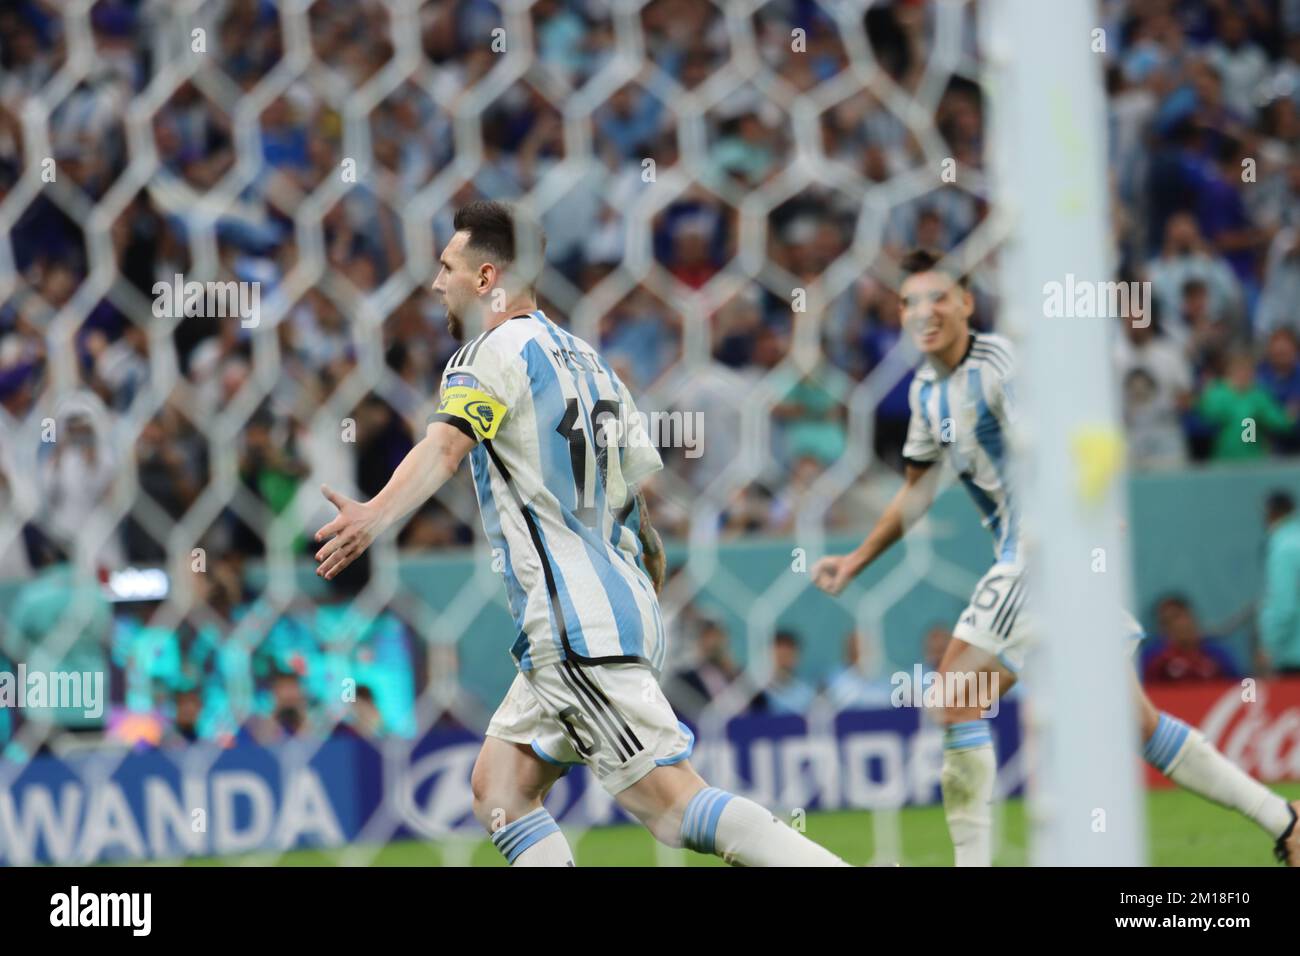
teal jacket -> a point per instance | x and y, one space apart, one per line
1279 612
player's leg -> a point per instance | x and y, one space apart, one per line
984 655
618 719
681 810
1182 754
511 777
970 764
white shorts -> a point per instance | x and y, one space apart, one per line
995 620
612 717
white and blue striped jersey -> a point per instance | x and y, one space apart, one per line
964 416
560 450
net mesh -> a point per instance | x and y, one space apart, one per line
726 192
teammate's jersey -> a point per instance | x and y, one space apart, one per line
558 503
964 416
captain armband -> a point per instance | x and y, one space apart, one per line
481 411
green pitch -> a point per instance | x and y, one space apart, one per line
1183 830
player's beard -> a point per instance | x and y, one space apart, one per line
455 325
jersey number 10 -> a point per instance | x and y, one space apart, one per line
584 447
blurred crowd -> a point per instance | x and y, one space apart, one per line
223 431
335 668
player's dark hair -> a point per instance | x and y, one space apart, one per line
493 228
927 260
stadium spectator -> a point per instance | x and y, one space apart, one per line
629 119
1281 293
184 728
749 511
810 421
1180 651
933 645
786 692
1242 413
795 497
1279 609
270 470
168 471
1208 339
713 675
59 622
456 707
1185 257
288 718
77 472
1156 380
854 686
1279 375
362 719
1241 63
884 333
1225 218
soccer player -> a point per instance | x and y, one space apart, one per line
961 406
557 451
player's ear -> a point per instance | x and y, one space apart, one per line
486 273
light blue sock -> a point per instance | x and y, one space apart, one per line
700 821
967 735
746 834
1165 743
514 838
970 770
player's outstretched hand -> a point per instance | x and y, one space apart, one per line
350 533
833 572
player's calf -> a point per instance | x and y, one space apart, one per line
969 763
681 810
508 784
658 800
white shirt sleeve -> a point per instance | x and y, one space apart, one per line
479 387
640 458
920 445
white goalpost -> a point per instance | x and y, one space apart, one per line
1049 148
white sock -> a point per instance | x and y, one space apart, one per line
533 840
745 834
969 772
1184 755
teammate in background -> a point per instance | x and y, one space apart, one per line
557 450
1279 606
962 405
